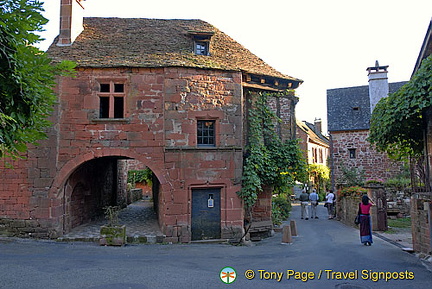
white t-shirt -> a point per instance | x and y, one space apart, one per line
330 198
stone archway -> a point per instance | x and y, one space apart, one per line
91 186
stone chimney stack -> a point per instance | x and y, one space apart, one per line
71 21
318 125
378 84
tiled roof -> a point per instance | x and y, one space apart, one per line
138 42
314 135
348 108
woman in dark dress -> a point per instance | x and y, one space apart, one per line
365 221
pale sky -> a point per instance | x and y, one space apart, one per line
327 43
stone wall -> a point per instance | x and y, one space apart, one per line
161 108
421 222
373 163
346 209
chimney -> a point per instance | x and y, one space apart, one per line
317 124
378 84
71 21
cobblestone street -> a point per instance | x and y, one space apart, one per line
140 220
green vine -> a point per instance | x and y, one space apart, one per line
140 176
321 176
397 120
269 161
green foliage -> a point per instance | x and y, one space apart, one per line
269 161
351 176
398 183
321 176
399 223
354 191
281 208
140 176
397 120
112 215
374 181
26 77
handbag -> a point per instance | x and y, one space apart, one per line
357 218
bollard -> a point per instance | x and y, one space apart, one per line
293 226
286 234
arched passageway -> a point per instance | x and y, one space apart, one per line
102 182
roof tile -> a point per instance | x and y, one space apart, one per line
140 42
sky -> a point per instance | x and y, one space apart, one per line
326 43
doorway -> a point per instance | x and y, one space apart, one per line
206 214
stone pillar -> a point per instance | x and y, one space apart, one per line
378 212
286 234
378 84
71 21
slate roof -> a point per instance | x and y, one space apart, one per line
349 108
140 42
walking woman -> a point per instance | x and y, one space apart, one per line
365 220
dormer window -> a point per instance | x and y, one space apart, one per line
201 42
201 48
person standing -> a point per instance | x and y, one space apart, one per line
329 203
314 198
365 220
304 201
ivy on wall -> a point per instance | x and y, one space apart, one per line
269 160
397 120
140 176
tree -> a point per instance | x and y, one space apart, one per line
27 77
397 120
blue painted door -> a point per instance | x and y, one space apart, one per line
206 214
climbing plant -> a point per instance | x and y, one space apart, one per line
397 120
321 176
269 160
140 176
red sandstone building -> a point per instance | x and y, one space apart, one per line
171 95
349 110
421 200
313 143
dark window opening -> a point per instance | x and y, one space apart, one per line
104 107
118 87
352 153
104 87
118 107
206 133
356 108
111 100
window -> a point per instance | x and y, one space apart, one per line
206 133
111 99
352 153
201 40
201 48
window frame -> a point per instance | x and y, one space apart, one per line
352 153
205 47
200 137
112 110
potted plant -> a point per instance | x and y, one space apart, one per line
112 234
